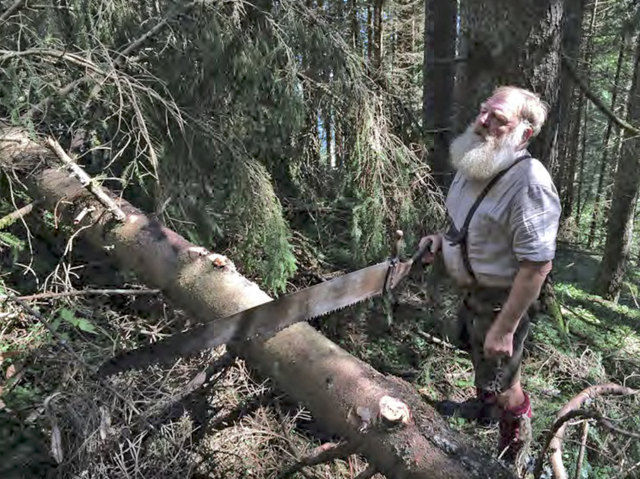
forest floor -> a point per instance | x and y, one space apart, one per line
198 420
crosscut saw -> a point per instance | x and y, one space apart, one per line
265 320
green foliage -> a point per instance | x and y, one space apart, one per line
69 316
275 108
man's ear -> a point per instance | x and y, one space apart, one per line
526 136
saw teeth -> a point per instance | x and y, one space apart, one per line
274 331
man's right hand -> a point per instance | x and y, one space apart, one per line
436 245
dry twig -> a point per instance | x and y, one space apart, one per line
86 180
16 215
11 10
87 292
321 454
583 444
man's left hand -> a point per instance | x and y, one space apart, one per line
498 343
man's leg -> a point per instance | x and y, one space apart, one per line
482 407
515 422
512 397
501 378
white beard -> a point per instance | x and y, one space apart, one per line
477 158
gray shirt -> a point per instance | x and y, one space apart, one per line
517 220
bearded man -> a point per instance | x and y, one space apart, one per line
504 213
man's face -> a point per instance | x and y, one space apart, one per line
492 140
498 117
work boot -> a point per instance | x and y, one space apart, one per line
482 408
515 433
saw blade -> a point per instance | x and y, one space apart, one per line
260 321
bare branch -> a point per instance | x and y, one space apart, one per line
86 180
16 215
89 292
53 53
11 10
321 454
595 100
583 447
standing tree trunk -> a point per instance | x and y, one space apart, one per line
440 17
377 35
369 31
625 191
605 145
511 42
551 145
583 159
568 195
355 25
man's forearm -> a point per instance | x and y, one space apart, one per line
525 290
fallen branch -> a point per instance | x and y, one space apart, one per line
570 411
628 472
433 339
11 10
596 100
17 214
86 180
321 454
86 292
583 447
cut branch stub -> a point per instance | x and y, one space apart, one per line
394 411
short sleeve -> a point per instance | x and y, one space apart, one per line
534 221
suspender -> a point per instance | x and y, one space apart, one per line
456 237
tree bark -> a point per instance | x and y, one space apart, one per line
568 193
553 141
355 25
369 31
440 17
625 191
511 42
342 392
377 35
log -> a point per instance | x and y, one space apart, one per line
342 392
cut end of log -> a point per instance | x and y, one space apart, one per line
394 411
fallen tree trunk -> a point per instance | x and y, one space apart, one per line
343 393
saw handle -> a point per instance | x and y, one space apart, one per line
417 256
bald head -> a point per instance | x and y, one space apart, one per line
525 104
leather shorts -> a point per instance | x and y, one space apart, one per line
477 313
